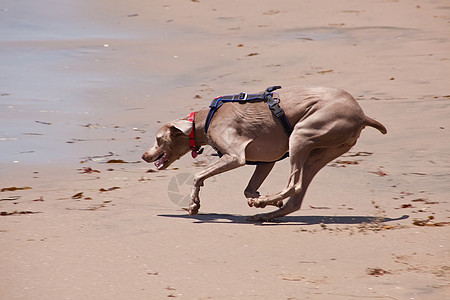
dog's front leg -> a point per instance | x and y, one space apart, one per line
225 163
259 175
194 204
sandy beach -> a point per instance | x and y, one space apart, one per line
84 86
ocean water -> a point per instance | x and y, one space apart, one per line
58 75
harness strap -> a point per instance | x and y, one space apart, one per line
278 112
253 163
219 101
267 97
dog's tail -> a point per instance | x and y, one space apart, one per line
375 124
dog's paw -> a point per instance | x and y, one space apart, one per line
262 202
193 209
255 202
250 194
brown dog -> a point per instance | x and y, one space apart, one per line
326 123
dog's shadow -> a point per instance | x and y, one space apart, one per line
287 220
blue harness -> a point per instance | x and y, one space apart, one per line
267 97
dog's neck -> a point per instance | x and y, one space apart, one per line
199 123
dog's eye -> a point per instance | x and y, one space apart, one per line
159 140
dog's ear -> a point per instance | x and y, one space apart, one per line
182 125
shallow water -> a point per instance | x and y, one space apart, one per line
54 74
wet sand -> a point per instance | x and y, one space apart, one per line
87 83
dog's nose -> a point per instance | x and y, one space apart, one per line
144 156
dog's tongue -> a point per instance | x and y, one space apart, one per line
160 162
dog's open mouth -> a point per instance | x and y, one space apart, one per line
161 160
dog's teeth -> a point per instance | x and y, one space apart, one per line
160 162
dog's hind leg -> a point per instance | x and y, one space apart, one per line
319 132
317 159
300 145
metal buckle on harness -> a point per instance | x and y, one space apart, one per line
243 96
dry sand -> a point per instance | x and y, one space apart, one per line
85 82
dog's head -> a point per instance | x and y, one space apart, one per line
172 142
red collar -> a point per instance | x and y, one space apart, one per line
195 149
